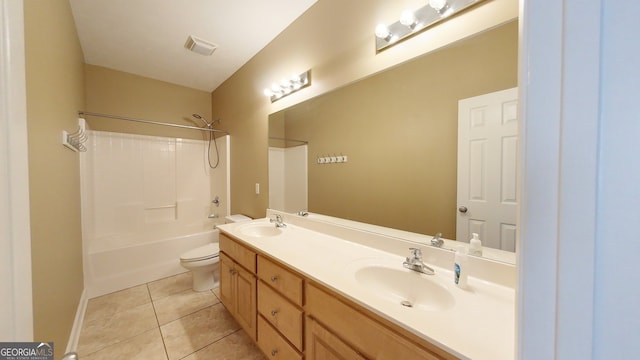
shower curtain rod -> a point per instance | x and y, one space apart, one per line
286 139
88 113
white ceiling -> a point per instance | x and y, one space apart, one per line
147 37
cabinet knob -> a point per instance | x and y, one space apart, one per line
274 352
274 278
274 312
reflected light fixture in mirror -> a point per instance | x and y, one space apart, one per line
414 22
288 86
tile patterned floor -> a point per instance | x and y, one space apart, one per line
163 319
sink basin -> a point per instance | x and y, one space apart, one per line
405 287
260 230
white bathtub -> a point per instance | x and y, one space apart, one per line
152 258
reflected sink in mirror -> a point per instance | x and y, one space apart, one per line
260 230
405 287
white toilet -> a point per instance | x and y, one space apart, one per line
203 261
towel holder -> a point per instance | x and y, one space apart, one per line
75 141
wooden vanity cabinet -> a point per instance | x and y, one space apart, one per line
290 317
238 283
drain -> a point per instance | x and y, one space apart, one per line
406 303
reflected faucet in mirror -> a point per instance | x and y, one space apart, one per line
436 241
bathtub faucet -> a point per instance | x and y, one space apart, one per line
278 221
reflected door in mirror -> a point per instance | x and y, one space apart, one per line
487 168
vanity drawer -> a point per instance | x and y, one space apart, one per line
285 281
272 344
240 254
281 314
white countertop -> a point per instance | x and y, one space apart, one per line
480 324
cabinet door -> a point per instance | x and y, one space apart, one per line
373 339
226 283
246 300
323 345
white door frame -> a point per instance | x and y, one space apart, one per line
16 314
559 91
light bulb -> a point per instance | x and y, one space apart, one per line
408 18
268 92
285 83
438 5
382 31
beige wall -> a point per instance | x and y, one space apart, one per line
118 93
334 39
399 129
54 67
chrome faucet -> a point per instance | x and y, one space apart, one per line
436 241
415 263
303 213
278 221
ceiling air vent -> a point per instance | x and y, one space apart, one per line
200 46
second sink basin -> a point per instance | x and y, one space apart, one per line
404 287
260 230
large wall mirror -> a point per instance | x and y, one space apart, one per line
399 131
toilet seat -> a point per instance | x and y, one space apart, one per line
205 252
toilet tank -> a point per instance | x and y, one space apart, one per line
236 218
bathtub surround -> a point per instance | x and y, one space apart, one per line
288 178
146 200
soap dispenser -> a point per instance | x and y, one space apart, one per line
475 246
460 267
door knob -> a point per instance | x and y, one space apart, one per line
462 209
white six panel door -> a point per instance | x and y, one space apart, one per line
487 168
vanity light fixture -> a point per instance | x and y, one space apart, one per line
288 86
414 22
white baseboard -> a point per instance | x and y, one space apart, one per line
74 337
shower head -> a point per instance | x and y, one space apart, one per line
206 123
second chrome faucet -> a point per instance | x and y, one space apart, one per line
415 262
278 221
